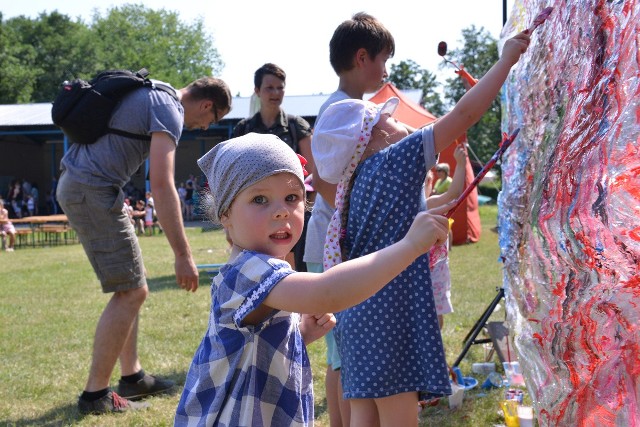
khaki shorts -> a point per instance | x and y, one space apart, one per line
106 233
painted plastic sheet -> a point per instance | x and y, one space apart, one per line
570 211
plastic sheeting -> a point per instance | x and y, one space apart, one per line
569 211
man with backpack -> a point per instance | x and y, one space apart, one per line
90 193
269 81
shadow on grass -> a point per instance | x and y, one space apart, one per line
320 409
60 416
68 414
163 283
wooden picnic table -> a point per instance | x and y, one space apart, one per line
41 219
44 230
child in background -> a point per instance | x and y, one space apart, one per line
439 254
31 206
390 345
138 213
252 368
359 50
6 227
148 216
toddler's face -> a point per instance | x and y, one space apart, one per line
386 132
268 216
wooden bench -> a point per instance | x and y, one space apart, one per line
55 234
22 237
210 268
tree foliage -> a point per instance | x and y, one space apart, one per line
36 55
477 55
173 51
408 75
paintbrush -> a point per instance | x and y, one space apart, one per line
542 16
506 142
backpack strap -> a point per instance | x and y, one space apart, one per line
165 88
158 85
293 131
129 134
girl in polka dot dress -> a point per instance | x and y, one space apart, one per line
390 345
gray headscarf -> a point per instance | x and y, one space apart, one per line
236 164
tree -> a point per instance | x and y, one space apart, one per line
36 55
408 75
133 37
17 82
478 53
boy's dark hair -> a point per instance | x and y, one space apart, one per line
213 89
361 31
268 68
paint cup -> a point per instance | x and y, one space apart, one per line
459 377
483 368
457 396
510 409
494 379
514 394
525 416
513 373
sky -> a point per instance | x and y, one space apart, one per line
295 34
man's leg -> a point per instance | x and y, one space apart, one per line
114 329
129 362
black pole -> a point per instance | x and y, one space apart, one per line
504 12
471 337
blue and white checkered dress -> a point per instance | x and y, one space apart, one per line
248 375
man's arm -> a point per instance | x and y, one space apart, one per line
161 173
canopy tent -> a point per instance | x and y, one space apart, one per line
466 226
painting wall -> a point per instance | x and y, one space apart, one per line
569 211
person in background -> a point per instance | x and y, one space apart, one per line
149 215
31 207
189 200
35 193
16 198
439 254
269 86
443 180
182 194
129 209
138 213
90 191
7 228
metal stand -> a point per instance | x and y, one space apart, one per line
470 339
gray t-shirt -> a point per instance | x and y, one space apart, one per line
322 211
113 159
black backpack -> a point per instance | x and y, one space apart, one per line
83 109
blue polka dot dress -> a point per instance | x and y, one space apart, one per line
391 343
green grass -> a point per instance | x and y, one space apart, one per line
50 302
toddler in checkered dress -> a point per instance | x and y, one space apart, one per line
252 367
